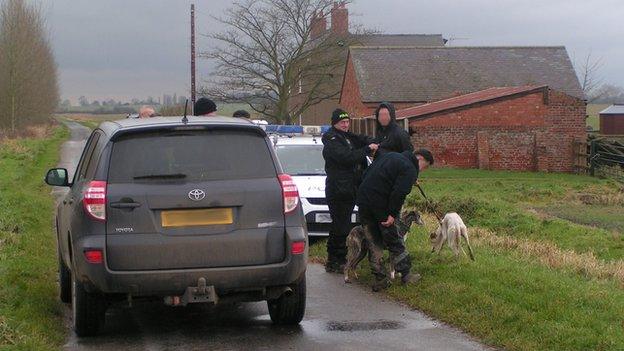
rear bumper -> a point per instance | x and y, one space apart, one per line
99 277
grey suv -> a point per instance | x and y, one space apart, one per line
189 212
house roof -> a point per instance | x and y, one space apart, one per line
399 40
465 100
424 74
615 109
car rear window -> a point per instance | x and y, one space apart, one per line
190 156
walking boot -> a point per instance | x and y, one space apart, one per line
381 284
410 278
334 267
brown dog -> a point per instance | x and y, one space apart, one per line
360 242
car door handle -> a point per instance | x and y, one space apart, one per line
129 205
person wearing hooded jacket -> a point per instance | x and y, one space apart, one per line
345 157
390 136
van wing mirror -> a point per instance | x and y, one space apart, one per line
57 177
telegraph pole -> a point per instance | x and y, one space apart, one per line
192 58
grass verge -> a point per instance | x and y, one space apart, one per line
541 280
30 313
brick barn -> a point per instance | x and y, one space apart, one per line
504 108
338 17
408 76
528 128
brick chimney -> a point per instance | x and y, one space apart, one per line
340 19
318 25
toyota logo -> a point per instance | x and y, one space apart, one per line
196 194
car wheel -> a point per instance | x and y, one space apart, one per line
64 281
289 309
87 309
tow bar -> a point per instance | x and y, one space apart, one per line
199 294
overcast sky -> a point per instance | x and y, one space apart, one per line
137 48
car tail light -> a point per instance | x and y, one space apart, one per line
94 200
297 248
290 193
94 256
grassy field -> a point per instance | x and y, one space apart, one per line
549 273
592 113
89 120
30 312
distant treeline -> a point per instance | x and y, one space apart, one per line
607 94
29 90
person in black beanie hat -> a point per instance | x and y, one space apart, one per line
345 158
204 107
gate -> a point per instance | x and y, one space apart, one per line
606 158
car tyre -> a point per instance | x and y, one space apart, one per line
289 309
65 284
87 309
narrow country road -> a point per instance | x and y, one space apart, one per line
338 316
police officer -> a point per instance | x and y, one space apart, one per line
345 157
380 198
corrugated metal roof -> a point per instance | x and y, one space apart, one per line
615 109
424 74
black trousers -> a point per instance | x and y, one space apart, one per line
340 211
390 238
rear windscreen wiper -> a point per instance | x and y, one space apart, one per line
162 176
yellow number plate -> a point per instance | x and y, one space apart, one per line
187 218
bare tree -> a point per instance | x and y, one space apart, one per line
589 70
28 76
266 52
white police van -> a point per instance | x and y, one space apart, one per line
301 156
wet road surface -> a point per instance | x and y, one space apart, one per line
338 317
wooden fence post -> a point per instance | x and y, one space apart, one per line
592 155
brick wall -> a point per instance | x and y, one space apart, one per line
566 123
525 132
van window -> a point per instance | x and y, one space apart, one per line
190 157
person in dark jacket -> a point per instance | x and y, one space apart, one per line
390 136
345 156
380 197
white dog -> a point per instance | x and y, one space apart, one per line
450 230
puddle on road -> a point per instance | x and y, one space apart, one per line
351 326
